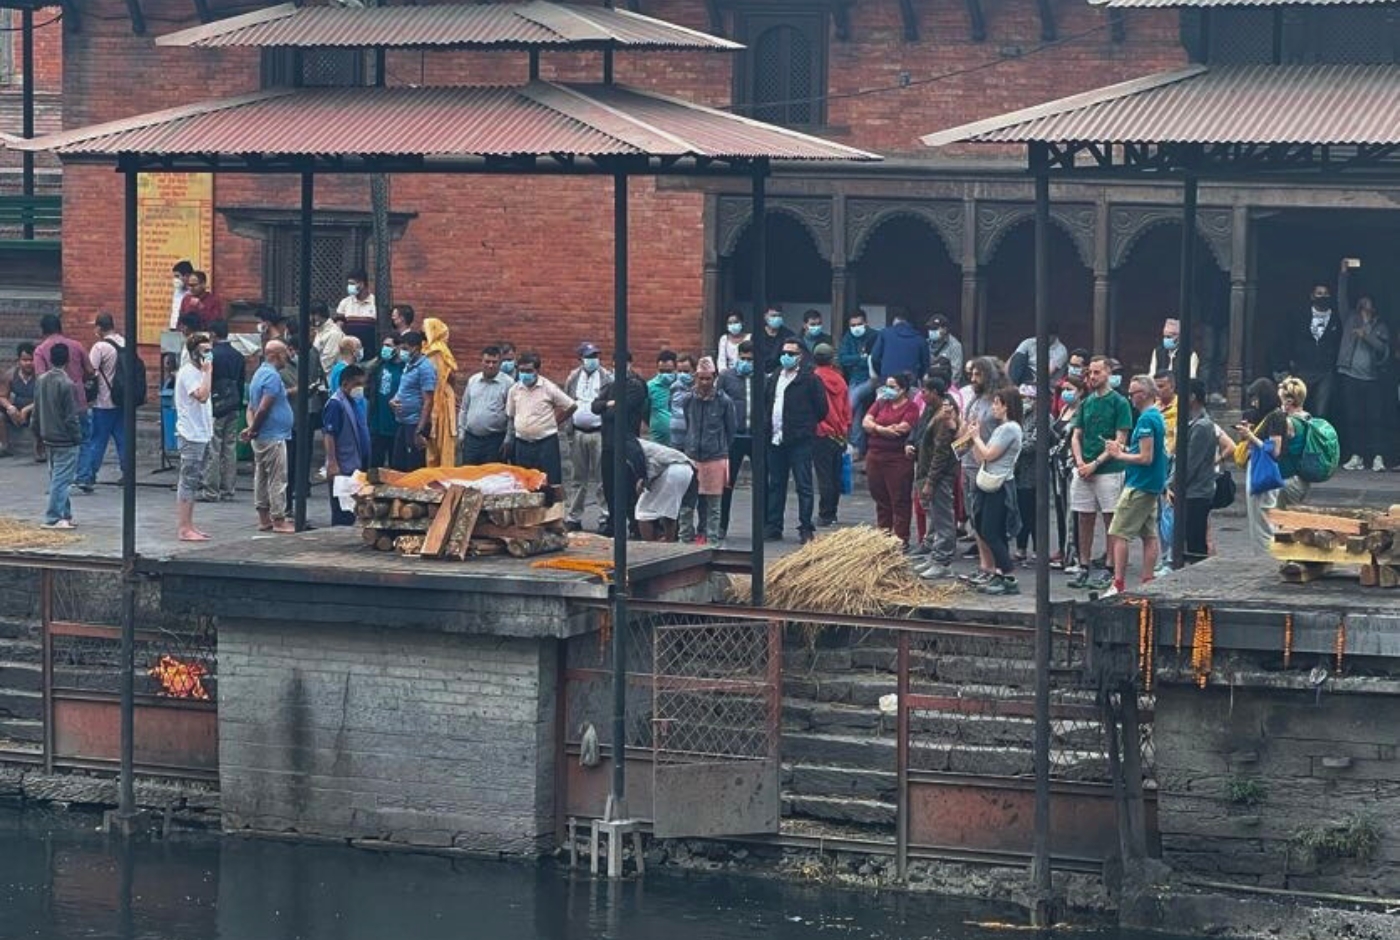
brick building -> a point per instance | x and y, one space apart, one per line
945 231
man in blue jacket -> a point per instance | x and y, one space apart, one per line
900 348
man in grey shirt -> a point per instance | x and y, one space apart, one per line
481 417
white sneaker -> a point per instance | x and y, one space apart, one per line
1378 465
1109 591
1355 463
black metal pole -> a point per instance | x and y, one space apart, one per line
126 802
760 421
1186 314
1041 914
302 458
27 51
621 498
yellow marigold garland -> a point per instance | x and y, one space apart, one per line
1180 624
1340 644
1203 646
1287 639
1146 641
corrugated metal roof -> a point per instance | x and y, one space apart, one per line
541 118
494 25
1261 104
1160 4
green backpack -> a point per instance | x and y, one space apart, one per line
1313 452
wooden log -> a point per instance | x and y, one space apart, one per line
1380 542
398 525
1370 575
1357 544
435 542
1301 572
513 500
486 547
1388 576
407 494
1302 519
369 535
1307 553
409 544
546 542
489 530
463 522
412 511
385 543
1325 539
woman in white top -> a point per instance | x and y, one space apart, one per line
194 429
729 343
994 510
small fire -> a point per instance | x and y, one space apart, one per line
180 680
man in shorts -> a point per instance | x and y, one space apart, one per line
1097 482
1143 483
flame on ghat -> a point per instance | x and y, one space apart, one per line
180 679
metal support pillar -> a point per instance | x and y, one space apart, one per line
126 798
618 511
1184 351
1042 912
759 423
302 461
27 51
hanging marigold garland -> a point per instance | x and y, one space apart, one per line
1146 641
1180 625
1203 646
1287 640
1340 644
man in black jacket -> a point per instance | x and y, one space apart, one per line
638 413
1310 347
796 400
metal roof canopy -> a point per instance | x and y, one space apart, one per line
627 133
534 24
1203 4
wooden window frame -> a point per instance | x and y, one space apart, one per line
815 22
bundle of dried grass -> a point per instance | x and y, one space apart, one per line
860 570
17 534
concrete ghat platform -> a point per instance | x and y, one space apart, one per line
368 695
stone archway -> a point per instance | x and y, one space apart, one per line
799 276
905 262
1009 307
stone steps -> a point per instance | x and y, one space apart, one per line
838 782
992 730
836 809
20 651
16 704
866 689
21 731
21 676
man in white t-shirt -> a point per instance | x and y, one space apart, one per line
194 429
357 307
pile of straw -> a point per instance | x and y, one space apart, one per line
16 534
860 570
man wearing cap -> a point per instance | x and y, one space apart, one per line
586 448
1164 354
942 342
830 443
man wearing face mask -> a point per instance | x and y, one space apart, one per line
768 342
797 402
942 342
659 391
899 349
346 436
507 349
412 405
1366 410
586 452
681 390
1078 360
536 408
1164 356
326 334
734 383
1310 348
180 275
481 415
734 334
854 359
812 333
201 301
357 307
381 384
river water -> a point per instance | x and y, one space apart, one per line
61 879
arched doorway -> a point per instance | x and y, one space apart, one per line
1010 291
1147 289
904 262
799 278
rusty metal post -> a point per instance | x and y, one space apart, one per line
302 458
901 752
1115 771
759 423
1042 915
775 690
27 51
620 583
1132 775
126 809
46 666
1185 345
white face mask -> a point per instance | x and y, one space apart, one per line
179 282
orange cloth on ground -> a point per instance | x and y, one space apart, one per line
531 480
442 444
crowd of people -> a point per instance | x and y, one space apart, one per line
945 442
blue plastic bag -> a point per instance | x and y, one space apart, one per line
847 474
1264 474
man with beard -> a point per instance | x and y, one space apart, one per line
1097 484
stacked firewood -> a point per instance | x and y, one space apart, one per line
1312 542
459 522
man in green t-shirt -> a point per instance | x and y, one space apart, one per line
1098 479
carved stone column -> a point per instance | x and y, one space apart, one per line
840 301
712 312
1242 294
970 312
1101 272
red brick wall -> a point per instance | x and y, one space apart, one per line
530 258
48 49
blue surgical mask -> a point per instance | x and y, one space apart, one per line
386 352
508 366
359 355
405 355
528 378
1168 342
1075 370
357 393
775 322
590 364
666 378
935 335
352 290
788 360
886 393
814 329
208 356
743 367
1067 395
1114 381
735 329
858 330
685 378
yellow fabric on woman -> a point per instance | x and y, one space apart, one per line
442 440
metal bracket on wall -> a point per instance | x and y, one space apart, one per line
977 22
1048 32
911 20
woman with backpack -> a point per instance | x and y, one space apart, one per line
1280 415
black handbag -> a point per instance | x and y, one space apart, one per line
1224 490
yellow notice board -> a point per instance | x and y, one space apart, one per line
175 213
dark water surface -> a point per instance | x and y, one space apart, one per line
60 878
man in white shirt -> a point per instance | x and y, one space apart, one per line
357 307
180 273
326 335
586 450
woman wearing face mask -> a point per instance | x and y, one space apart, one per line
734 334
346 436
1071 393
889 470
194 429
442 443
994 508
381 384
